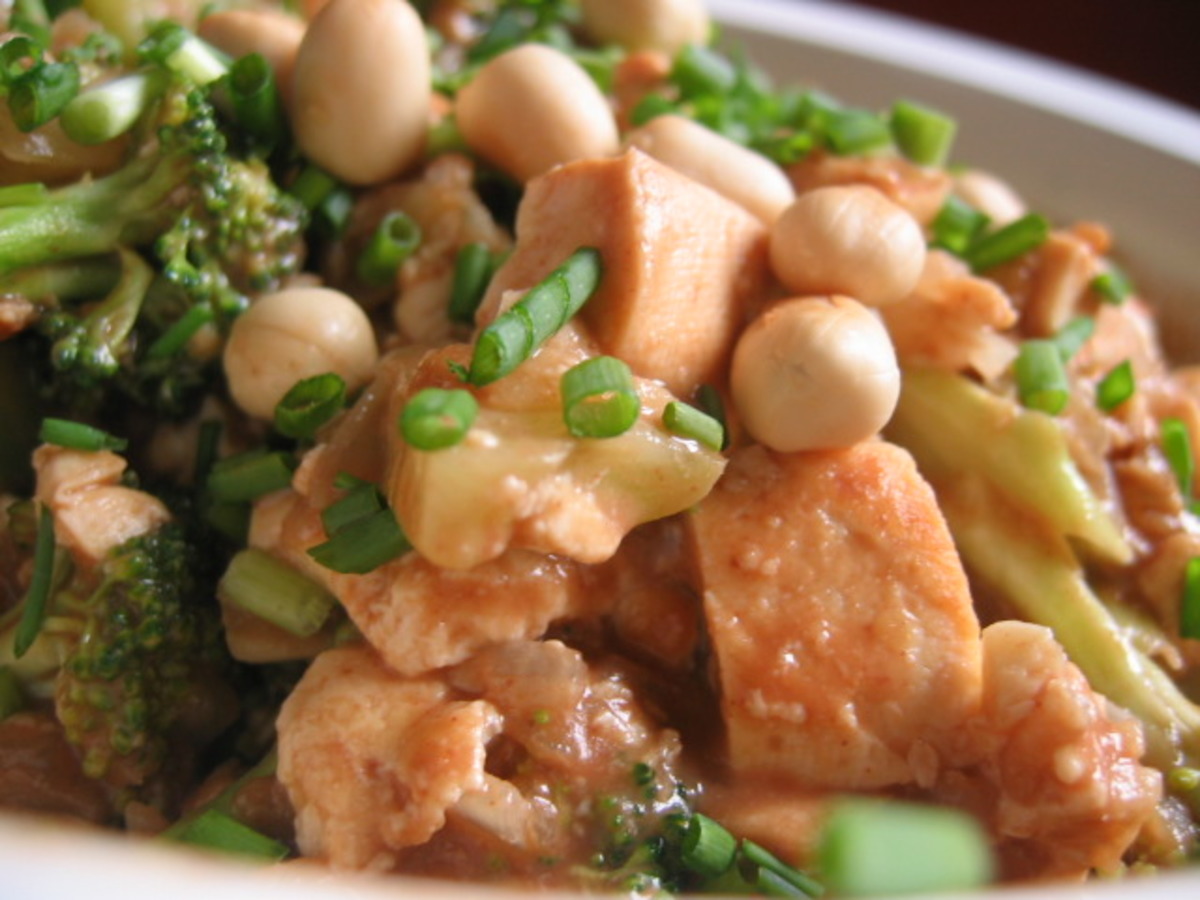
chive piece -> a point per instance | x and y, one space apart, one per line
332 214
699 71
170 44
546 307
1041 377
1009 242
473 268
689 422
11 698
34 611
312 186
1113 285
708 400
1116 387
18 55
923 134
270 589
361 500
435 418
216 830
651 107
766 861
108 111
363 545
344 481
895 848
1072 336
180 331
1189 604
248 476
254 97
1177 447
309 404
855 132
396 238
77 436
41 93
599 398
957 225
708 848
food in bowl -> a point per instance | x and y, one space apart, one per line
596 478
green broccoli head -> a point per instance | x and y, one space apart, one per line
145 634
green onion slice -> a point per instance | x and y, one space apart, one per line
361 500
957 225
270 589
599 398
77 436
396 238
1071 337
254 97
215 830
707 848
102 113
781 879
893 847
1007 243
41 93
363 545
1041 377
1189 605
1113 285
473 267
689 422
34 611
436 418
924 135
1177 447
514 335
249 476
853 132
309 404
1116 387
699 71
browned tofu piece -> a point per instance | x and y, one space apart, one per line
681 262
839 615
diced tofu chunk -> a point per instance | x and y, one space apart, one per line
839 615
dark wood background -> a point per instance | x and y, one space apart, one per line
1151 44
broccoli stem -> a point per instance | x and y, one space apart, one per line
101 341
76 279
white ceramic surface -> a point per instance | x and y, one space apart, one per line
1074 145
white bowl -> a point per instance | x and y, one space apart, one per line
1076 146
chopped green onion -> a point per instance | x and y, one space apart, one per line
435 418
254 97
18 55
333 214
788 881
34 611
395 239
707 848
519 331
868 848
180 331
1071 337
361 500
853 132
312 186
41 93
924 135
344 481
232 520
170 44
249 476
957 225
215 830
11 698
708 401
699 71
689 422
1041 377
1113 285
1116 387
1177 447
270 589
363 545
309 404
599 398
77 436
111 109
1009 242
473 268
1189 604
651 107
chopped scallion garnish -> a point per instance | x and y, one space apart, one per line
1116 387
102 113
395 239
1041 377
781 880
599 398
255 100
1007 243
361 500
170 44
522 329
957 225
699 71
270 589
436 418
1189 604
1177 447
1113 285
1071 337
924 135
689 422
176 336
215 830
249 476
707 848
77 436
34 610
309 404
363 545
853 132
41 93
473 267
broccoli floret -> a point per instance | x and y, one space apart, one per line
121 645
